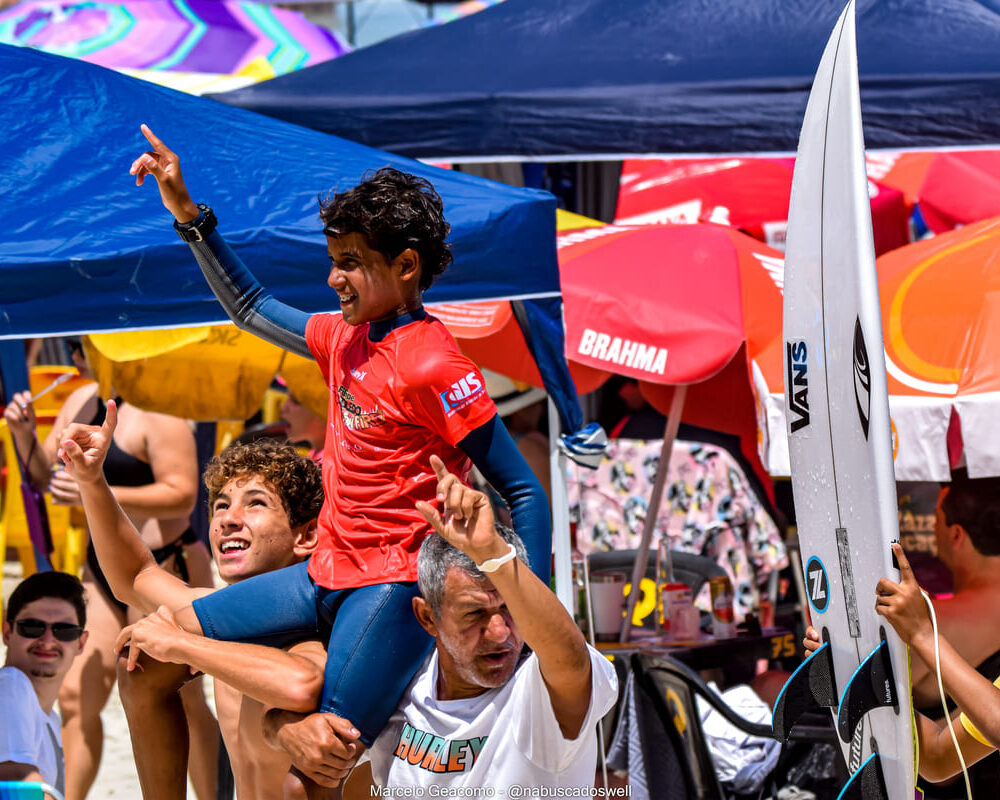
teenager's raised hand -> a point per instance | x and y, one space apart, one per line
83 448
165 167
466 519
901 603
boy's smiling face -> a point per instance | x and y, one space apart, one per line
369 286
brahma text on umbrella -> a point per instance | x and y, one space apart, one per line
616 350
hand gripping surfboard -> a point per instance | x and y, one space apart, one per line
839 433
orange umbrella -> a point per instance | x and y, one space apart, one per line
941 326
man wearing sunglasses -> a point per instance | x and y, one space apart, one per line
43 632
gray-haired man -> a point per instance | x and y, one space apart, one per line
478 713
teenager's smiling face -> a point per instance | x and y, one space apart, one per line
369 286
250 531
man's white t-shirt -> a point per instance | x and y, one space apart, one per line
506 737
28 735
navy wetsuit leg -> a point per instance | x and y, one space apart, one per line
376 647
276 608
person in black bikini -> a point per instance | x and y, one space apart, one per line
153 471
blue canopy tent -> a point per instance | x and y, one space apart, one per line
85 250
601 78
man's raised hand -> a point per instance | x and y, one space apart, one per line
467 522
83 448
902 603
165 167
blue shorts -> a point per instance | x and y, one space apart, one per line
375 644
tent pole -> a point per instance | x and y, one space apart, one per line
560 514
642 554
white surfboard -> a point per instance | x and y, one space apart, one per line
837 408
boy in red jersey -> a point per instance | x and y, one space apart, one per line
400 390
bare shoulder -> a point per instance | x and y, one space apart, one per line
164 425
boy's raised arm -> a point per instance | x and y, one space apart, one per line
132 573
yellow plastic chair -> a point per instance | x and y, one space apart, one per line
43 376
69 532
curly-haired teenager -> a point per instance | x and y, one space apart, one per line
264 498
400 390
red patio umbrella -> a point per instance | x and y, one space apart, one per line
680 308
949 188
674 305
750 194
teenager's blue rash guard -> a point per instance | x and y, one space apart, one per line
490 446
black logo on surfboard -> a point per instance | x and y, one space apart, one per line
817 584
797 383
862 377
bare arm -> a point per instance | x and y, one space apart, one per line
562 653
904 607
172 457
938 759
271 676
134 576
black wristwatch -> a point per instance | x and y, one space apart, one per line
200 227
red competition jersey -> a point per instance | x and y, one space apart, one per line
393 403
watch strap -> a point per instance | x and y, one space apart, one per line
493 564
200 227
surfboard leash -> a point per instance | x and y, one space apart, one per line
944 701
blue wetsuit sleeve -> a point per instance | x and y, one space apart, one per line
245 300
494 452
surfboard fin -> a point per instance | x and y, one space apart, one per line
810 687
871 686
868 783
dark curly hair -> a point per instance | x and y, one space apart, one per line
974 503
294 477
394 211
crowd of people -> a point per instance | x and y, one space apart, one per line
379 627
375 610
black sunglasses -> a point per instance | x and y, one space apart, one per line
35 629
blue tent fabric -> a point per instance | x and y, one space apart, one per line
85 250
591 77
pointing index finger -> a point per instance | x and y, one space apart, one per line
439 468
905 570
152 138
110 418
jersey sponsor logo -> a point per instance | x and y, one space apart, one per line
817 585
461 393
436 754
797 384
862 377
616 350
354 416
